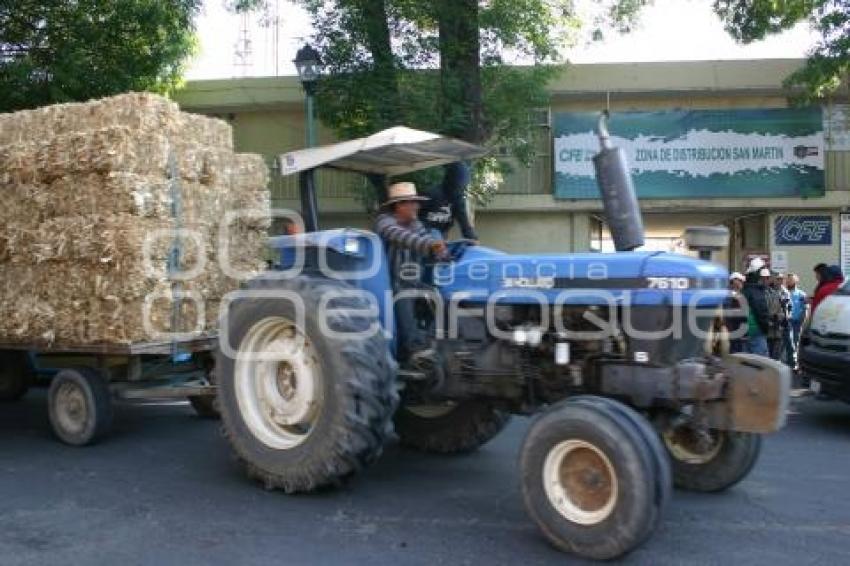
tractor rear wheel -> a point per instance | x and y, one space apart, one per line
710 460
590 479
15 375
307 401
449 428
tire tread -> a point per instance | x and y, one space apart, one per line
369 397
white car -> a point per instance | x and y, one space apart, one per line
825 346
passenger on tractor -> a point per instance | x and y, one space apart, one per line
446 203
408 242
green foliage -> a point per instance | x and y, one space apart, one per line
59 50
240 6
829 61
420 63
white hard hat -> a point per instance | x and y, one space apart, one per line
735 275
764 272
755 265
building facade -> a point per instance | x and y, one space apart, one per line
787 207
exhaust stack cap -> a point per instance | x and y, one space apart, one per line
602 130
706 238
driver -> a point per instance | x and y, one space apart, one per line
407 242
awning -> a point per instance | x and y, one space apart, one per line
393 151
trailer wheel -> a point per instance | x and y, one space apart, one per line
205 406
14 375
80 406
310 407
710 460
449 428
589 479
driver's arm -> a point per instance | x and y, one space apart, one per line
420 241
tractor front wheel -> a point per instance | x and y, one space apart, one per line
449 428
591 478
710 460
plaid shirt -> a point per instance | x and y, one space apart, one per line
407 245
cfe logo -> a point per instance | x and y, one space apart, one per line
803 230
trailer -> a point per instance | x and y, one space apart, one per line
85 380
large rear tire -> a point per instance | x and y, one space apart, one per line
590 479
318 409
15 375
711 461
450 428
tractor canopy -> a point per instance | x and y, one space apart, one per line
393 151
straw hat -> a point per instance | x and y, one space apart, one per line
400 192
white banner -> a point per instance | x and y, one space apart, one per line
845 243
836 126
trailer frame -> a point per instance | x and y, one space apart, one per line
85 380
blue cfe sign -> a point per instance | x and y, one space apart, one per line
803 230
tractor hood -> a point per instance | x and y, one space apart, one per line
639 278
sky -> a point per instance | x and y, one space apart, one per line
681 30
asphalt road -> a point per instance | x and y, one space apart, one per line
164 490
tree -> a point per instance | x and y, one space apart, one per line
59 51
442 65
828 62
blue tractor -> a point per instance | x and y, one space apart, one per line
607 350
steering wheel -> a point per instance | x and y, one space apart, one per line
458 247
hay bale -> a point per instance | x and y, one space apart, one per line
141 112
82 186
113 193
119 149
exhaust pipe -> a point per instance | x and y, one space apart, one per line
618 192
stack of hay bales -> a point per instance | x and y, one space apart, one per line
82 186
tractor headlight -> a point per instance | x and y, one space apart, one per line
351 246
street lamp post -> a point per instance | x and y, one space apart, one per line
307 62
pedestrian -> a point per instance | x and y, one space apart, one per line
819 270
799 313
758 317
830 279
784 355
777 308
734 316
